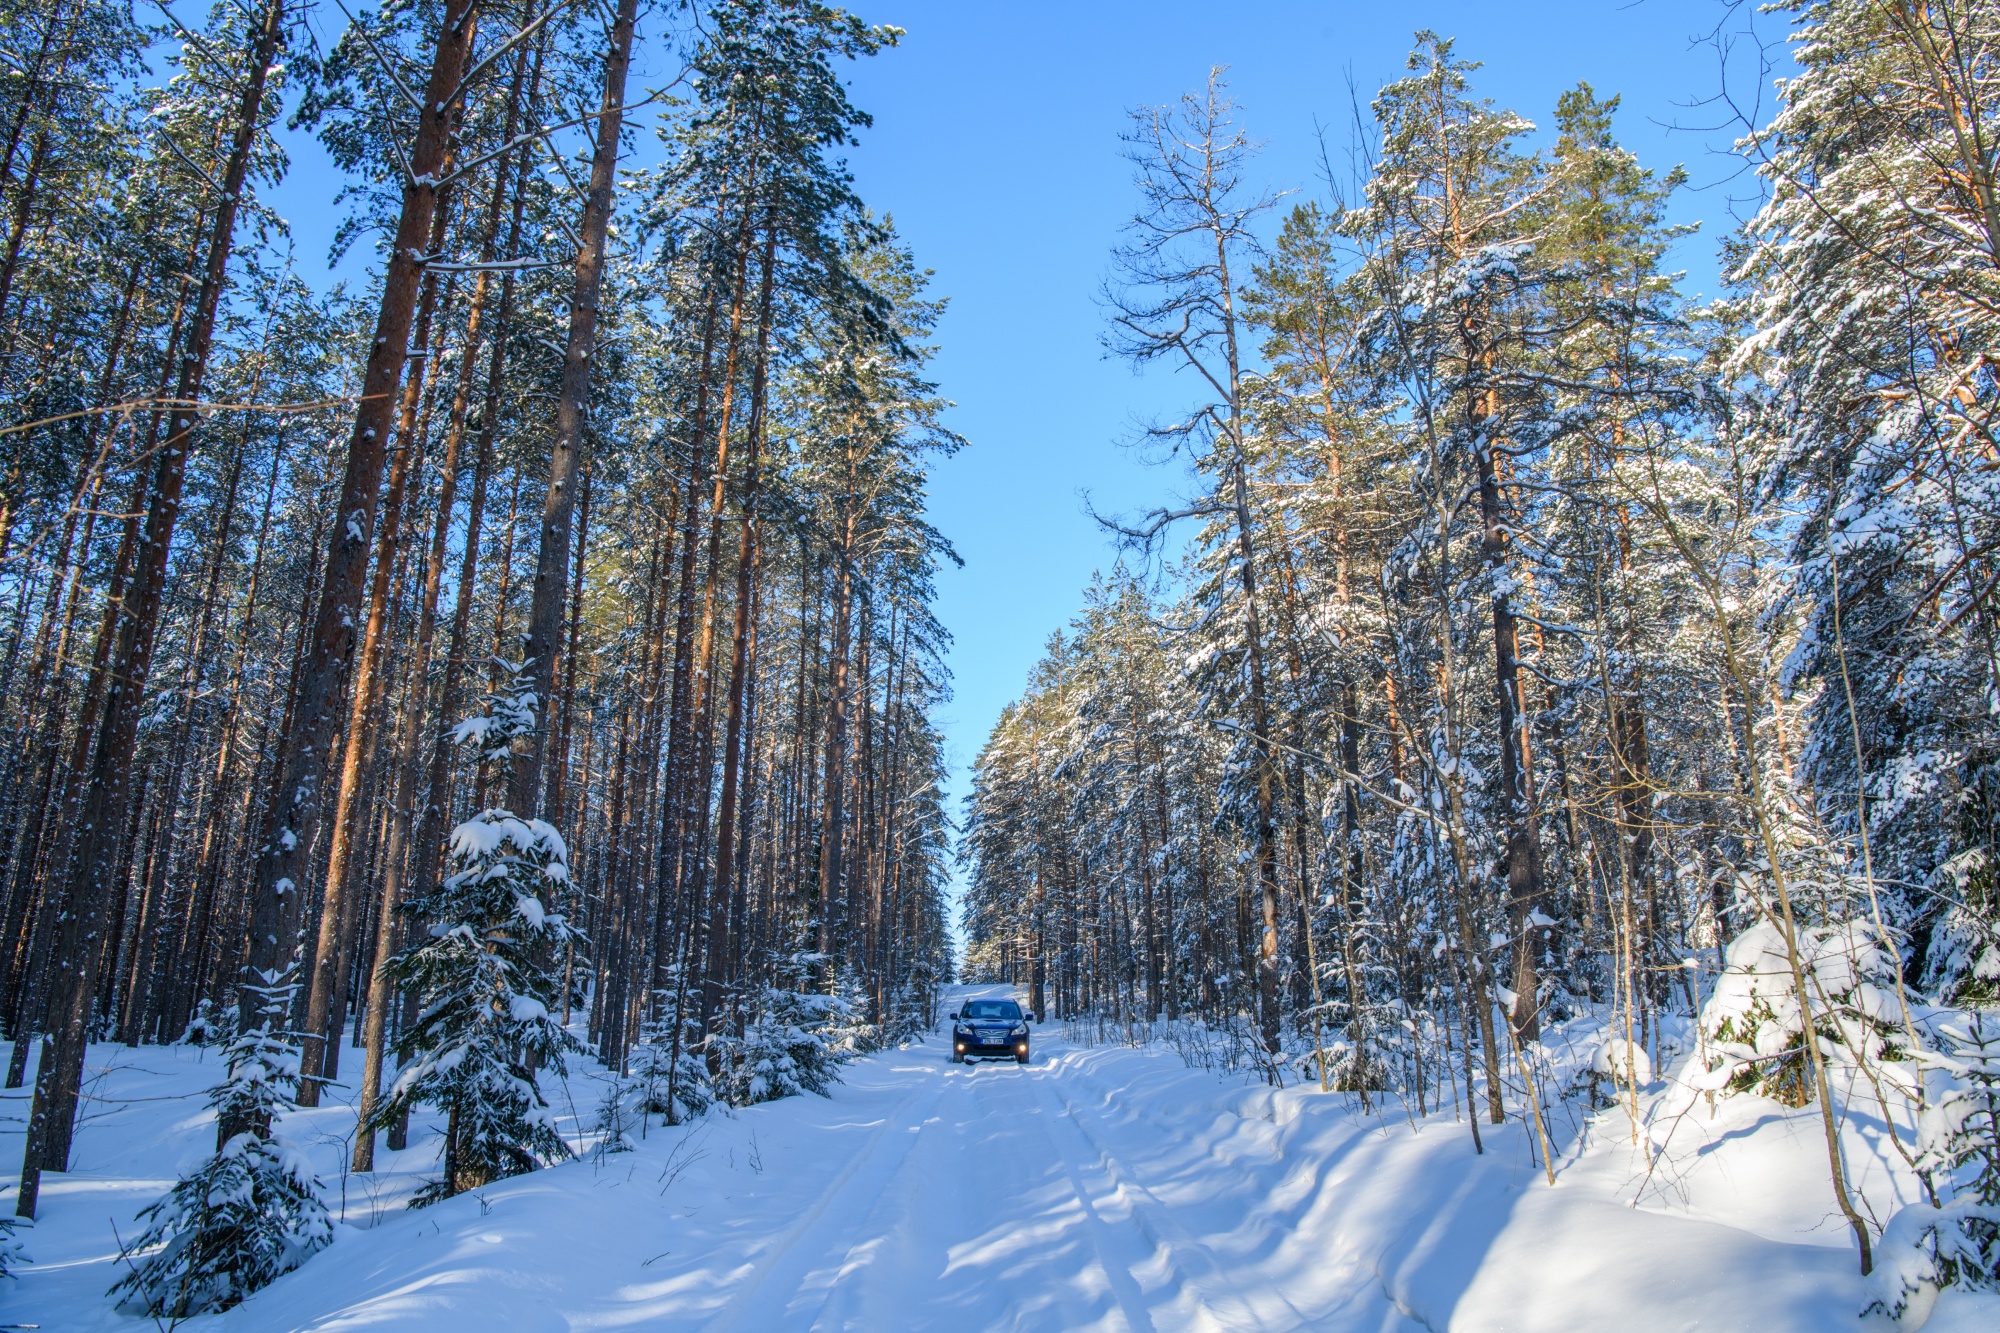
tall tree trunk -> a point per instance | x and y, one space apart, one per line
671 866
1265 830
17 226
396 864
561 710
833 925
33 105
52 1119
278 896
545 614
329 958
719 933
1524 850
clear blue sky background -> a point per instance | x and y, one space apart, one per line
995 148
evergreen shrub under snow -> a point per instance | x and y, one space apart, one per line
1753 1024
669 1075
792 1041
795 1045
480 972
246 1215
1955 1242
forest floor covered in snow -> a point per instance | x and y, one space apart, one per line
1104 1187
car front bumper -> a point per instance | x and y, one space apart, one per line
972 1048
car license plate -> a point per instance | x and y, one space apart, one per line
992 1039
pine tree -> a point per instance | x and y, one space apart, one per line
480 973
1191 244
248 1214
1873 276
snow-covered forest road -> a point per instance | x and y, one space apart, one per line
980 1196
1102 1187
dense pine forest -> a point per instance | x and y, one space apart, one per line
535 629
1539 649
473 711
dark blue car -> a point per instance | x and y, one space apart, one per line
989 1030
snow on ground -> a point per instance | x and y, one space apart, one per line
1107 1187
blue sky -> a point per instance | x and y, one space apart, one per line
995 148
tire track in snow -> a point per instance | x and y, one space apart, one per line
896 1244
882 1245
842 1279
785 1267
1200 1274
858 1240
1118 1278
1309 1180
841 1262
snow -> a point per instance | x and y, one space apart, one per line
1619 1059
1754 1013
1102 1187
472 729
493 831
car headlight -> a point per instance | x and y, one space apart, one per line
1020 1030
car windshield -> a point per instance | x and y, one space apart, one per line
1006 1009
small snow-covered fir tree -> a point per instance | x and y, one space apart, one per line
481 976
211 1025
509 715
1963 960
847 1028
617 1114
1956 1242
785 1051
247 1214
672 1078
912 1004
794 1043
1753 1022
